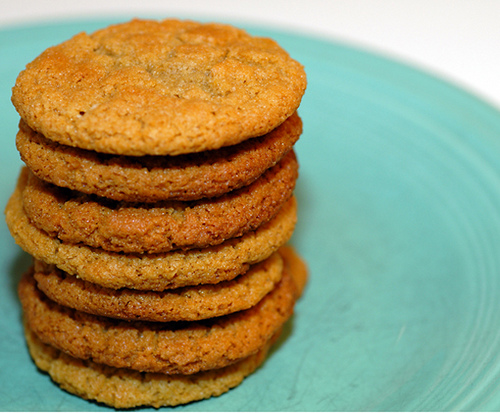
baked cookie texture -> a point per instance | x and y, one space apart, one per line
159 88
166 226
182 304
157 272
157 202
126 388
156 178
161 348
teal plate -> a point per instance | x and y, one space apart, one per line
399 222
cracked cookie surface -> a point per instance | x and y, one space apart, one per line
160 88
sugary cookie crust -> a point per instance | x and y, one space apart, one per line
155 178
125 388
184 304
155 272
170 348
161 227
159 87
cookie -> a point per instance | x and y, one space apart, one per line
161 227
126 389
184 304
155 178
155 272
159 88
170 348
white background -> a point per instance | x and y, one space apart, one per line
455 39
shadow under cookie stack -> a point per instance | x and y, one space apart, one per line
157 202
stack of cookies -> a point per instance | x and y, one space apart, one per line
156 201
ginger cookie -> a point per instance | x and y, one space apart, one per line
156 203
126 388
166 87
155 178
183 304
155 272
161 227
170 348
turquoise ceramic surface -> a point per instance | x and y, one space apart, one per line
399 222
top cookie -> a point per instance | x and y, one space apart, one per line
160 88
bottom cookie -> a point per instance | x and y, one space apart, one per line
125 388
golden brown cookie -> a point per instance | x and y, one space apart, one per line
155 178
184 304
161 227
159 87
155 272
125 388
170 348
